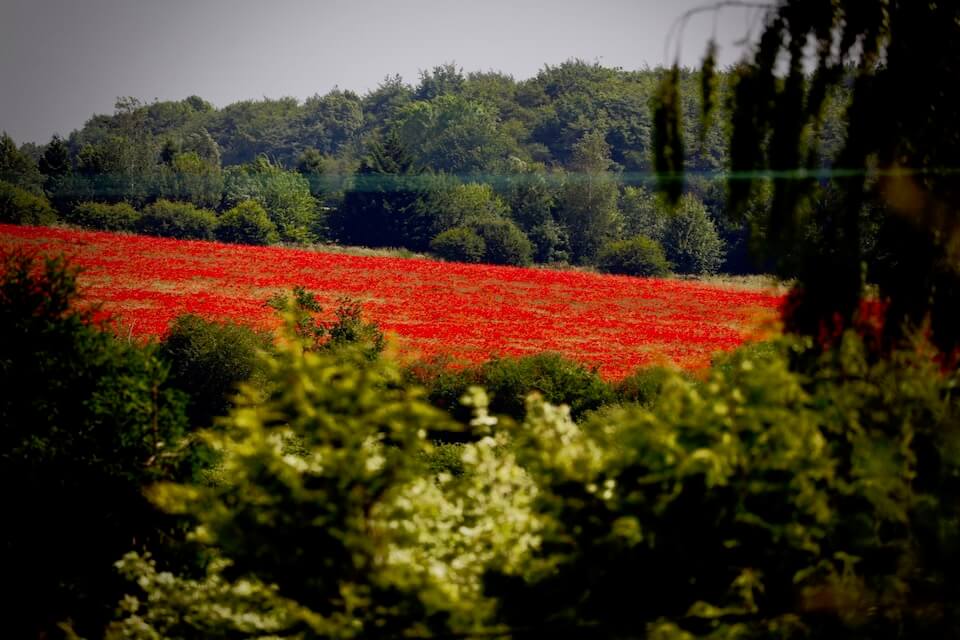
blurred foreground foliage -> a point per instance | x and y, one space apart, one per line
792 492
86 420
763 501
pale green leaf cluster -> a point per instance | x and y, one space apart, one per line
323 522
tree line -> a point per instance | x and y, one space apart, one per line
549 169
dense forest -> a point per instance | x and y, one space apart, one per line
224 483
474 167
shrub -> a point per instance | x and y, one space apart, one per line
510 381
177 220
284 195
767 502
639 256
459 244
505 242
332 501
690 240
557 379
105 217
349 330
445 385
246 223
88 421
18 206
551 242
643 386
208 360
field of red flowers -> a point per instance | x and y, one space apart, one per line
466 312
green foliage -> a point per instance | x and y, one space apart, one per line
87 421
188 177
331 123
18 206
350 330
557 379
323 522
246 223
643 214
453 134
446 203
530 197
177 220
208 360
684 229
504 241
668 135
510 381
285 195
17 168
55 161
105 217
895 151
376 211
460 244
762 503
690 239
644 385
551 242
638 256
347 330
588 199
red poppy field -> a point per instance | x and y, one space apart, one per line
465 312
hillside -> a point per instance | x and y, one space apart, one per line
466 312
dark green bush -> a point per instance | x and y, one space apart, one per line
208 359
105 217
551 242
690 240
643 386
638 256
246 223
764 503
87 422
505 242
510 381
446 385
459 244
18 206
177 220
557 379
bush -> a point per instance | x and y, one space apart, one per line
557 379
208 360
446 385
510 381
690 240
177 220
639 256
505 242
643 386
765 503
459 244
284 195
305 528
88 421
551 242
105 217
246 223
18 206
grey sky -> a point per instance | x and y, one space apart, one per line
61 61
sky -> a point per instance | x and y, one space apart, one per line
62 61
